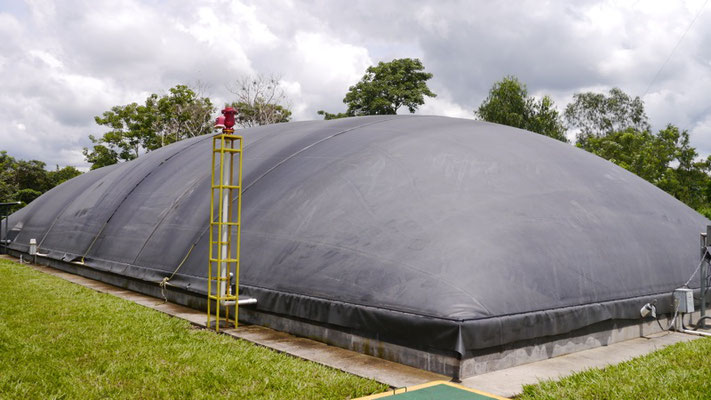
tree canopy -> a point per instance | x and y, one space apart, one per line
615 127
665 159
385 88
597 114
24 181
509 104
137 128
260 101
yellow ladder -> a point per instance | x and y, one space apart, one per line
226 189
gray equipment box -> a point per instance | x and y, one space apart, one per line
685 298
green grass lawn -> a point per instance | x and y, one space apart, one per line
59 340
680 371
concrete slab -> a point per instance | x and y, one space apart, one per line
509 382
387 372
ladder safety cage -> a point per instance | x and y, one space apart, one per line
224 251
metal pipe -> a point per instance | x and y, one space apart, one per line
5 238
703 274
224 219
7 206
690 332
241 302
702 292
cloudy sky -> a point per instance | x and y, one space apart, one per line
63 62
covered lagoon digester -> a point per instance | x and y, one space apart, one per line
453 245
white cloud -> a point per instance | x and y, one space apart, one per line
442 105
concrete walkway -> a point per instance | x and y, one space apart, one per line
507 382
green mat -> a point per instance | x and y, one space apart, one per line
439 392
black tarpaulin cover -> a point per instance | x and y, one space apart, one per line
441 234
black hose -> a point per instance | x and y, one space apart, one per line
696 327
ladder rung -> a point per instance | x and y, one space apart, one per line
226 297
225 186
227 150
224 260
225 223
227 136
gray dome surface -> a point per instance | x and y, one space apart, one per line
437 233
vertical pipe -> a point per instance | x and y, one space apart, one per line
224 220
703 275
230 197
211 254
5 240
239 229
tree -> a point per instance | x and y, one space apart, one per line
61 175
665 159
385 88
328 115
131 130
100 155
182 114
260 101
24 181
508 103
8 184
643 153
596 115
689 181
138 128
32 175
26 196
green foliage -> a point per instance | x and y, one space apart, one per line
615 128
665 159
509 104
8 183
100 155
26 180
26 196
137 128
595 114
689 180
328 115
679 371
181 114
59 340
62 175
31 175
645 154
260 101
259 113
385 88
705 211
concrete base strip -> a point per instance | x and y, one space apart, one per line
387 372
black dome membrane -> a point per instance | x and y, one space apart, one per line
434 232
